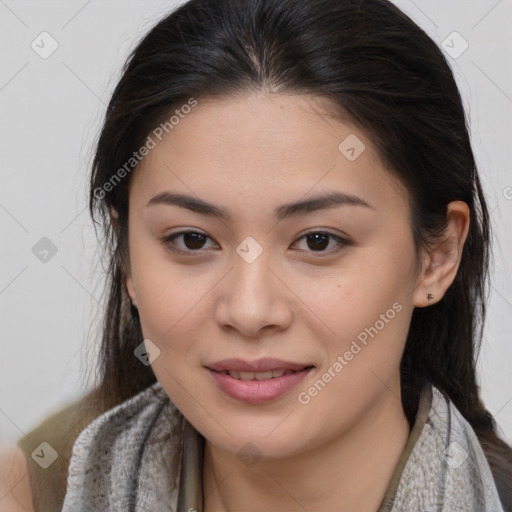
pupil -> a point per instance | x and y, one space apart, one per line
193 240
315 237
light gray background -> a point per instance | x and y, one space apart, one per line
51 111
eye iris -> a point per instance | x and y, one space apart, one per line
193 240
315 237
316 241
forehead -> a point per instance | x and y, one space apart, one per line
264 146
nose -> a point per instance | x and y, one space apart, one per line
254 297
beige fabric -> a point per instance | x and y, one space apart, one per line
60 430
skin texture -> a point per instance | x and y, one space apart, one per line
249 155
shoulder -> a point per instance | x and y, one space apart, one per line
15 491
468 475
45 452
129 421
129 445
135 413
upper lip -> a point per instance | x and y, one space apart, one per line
261 365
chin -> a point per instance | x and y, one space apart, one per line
256 443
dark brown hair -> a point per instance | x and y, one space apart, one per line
380 71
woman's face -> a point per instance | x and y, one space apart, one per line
254 285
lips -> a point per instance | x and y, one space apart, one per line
258 381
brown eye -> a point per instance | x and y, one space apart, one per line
193 241
318 241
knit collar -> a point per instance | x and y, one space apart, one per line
120 462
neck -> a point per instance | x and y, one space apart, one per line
349 473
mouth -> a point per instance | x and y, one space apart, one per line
273 374
264 365
257 382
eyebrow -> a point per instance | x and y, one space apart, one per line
319 202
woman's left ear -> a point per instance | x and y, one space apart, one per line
443 260
131 290
114 215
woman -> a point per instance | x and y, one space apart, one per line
298 257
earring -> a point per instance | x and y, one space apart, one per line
429 296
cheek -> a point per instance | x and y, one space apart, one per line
365 312
172 305
353 298
370 324
172 310
162 290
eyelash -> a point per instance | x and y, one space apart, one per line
168 242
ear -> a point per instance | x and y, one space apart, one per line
114 215
442 262
131 290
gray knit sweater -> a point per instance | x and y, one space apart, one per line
121 462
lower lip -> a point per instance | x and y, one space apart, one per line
258 391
